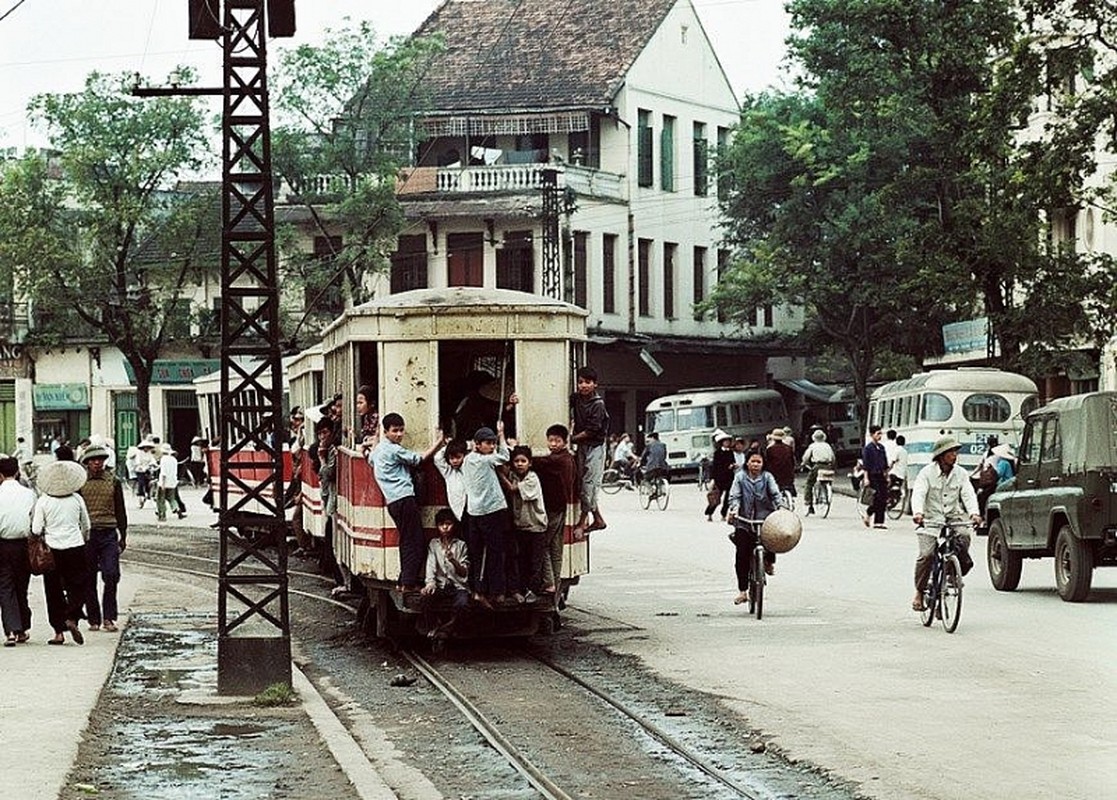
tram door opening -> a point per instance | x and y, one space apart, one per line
474 377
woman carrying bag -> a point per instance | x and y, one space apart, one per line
60 516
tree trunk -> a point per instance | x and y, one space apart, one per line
143 371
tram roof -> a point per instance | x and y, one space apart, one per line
970 379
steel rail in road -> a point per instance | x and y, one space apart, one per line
533 774
653 730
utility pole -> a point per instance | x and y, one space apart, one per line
254 636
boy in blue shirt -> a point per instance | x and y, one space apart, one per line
392 464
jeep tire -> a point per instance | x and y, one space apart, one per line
1074 566
1004 564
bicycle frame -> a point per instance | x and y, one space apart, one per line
938 590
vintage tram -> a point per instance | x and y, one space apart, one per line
430 355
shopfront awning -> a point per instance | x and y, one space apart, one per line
813 391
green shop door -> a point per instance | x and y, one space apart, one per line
8 416
126 423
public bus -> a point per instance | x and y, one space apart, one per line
686 421
971 404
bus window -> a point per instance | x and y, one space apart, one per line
695 417
986 408
736 414
661 421
722 415
1030 404
906 415
936 407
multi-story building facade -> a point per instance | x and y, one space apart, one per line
569 150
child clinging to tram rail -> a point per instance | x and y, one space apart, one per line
392 464
524 547
449 460
488 512
558 476
591 427
447 572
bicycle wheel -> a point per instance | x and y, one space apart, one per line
611 481
822 498
646 493
931 596
896 507
788 500
951 598
757 594
663 493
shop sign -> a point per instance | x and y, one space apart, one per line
60 396
171 371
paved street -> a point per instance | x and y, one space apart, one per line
1020 702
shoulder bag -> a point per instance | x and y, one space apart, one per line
39 555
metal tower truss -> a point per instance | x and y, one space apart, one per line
552 257
254 638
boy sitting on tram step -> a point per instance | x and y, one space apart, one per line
524 551
392 464
488 512
558 476
447 571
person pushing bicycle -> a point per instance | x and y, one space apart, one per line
941 495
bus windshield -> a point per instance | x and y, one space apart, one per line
695 417
660 421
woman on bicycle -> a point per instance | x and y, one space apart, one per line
721 472
753 496
941 495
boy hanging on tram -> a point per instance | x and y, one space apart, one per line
391 466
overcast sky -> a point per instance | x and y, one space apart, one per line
51 45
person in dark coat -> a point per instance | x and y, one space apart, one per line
779 460
721 472
875 460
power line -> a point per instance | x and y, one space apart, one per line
7 13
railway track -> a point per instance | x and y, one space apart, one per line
538 776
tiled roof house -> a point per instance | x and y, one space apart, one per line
622 104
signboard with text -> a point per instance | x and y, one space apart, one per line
60 396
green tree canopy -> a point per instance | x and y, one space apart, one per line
78 232
347 109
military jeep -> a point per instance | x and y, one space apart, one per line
1063 500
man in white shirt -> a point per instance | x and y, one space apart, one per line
16 505
167 487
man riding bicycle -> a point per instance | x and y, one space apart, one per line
653 461
941 495
818 455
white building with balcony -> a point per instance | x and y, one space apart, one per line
569 151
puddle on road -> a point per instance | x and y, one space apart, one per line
175 752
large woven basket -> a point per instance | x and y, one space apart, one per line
781 531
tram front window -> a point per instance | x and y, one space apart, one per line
473 375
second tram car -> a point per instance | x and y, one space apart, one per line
971 404
686 421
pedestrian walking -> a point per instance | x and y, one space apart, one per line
61 518
103 494
17 503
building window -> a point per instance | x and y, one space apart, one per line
644 139
723 152
584 147
177 325
581 240
644 258
768 320
699 279
409 264
609 273
701 160
667 154
465 259
515 262
723 267
669 251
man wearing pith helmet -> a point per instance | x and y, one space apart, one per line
108 535
942 495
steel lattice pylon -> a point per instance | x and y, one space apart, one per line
254 643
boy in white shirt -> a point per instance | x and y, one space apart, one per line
447 571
